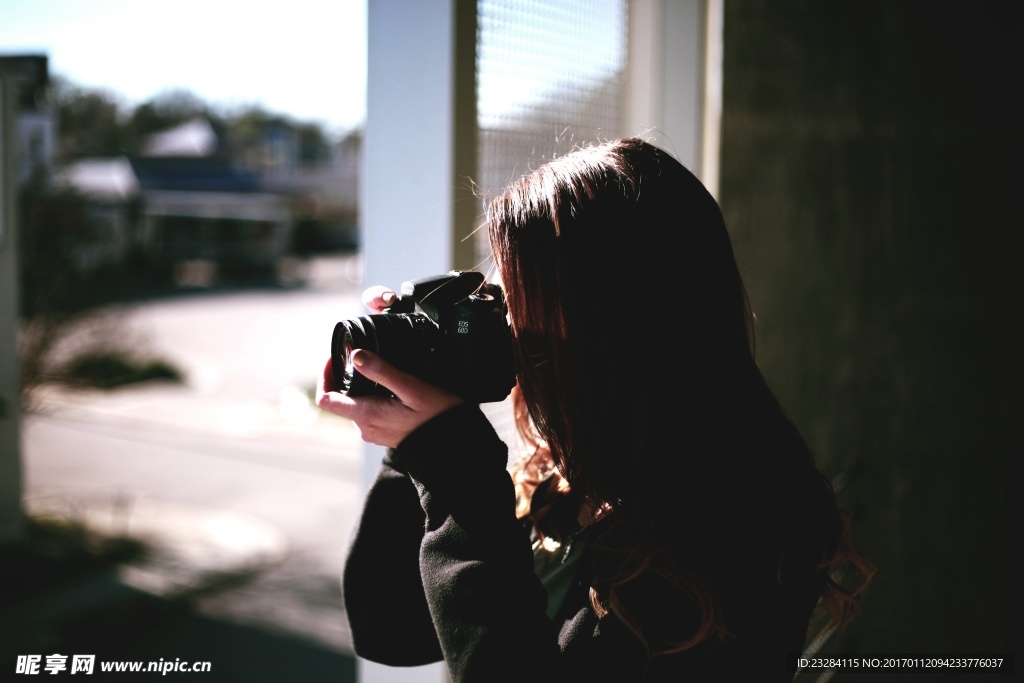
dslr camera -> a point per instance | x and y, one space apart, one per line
448 330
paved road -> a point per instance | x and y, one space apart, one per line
240 437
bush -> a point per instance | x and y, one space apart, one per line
109 370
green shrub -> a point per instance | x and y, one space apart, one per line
109 370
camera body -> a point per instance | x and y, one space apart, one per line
448 330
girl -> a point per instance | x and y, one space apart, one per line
668 522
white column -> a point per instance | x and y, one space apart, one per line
419 150
673 82
11 521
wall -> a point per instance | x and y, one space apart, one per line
864 180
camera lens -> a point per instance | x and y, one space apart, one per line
342 346
406 340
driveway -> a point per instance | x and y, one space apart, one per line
238 441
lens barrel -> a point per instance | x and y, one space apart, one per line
406 340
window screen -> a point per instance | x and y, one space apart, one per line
549 78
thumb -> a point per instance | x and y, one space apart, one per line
413 392
376 369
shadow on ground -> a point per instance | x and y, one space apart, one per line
64 597
168 633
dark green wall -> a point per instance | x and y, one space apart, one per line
868 162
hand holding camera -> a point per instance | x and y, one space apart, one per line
443 341
448 330
385 420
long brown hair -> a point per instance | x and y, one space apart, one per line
636 377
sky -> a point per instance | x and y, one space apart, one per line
301 58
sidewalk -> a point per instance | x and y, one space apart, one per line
100 564
147 567
238 492
99 613
241 509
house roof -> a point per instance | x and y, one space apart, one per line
189 157
193 139
193 174
104 180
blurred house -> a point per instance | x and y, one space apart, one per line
324 197
109 193
228 195
192 193
197 203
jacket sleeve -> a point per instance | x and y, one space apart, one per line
476 563
440 566
384 600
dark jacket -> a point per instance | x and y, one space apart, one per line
440 567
